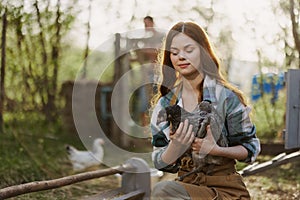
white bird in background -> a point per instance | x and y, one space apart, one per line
82 160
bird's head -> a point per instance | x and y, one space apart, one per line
98 141
68 148
174 113
98 145
205 106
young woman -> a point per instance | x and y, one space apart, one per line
190 73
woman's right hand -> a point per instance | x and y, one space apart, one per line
183 135
180 141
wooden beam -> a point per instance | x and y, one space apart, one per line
281 159
56 183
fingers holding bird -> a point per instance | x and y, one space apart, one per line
206 145
184 134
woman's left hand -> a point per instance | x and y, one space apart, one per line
206 145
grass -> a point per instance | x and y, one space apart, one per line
269 118
282 182
33 151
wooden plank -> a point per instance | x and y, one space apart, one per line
292 137
35 186
134 195
118 194
276 161
274 149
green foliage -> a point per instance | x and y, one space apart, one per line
34 51
27 148
269 118
71 62
100 66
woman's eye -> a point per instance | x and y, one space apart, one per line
174 53
189 50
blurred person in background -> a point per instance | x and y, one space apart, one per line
147 56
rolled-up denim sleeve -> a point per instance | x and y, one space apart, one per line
241 131
160 164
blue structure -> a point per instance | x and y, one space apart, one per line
269 83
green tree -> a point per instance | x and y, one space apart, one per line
294 10
289 10
34 52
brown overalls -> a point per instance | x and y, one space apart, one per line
215 182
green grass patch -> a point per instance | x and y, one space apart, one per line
33 150
270 118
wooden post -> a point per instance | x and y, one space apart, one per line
138 178
292 136
114 133
120 100
117 62
136 183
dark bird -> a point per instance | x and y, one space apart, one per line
198 118
176 114
203 115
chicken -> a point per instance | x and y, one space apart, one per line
198 118
176 114
82 160
202 116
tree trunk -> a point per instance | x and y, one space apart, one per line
3 62
45 84
295 28
86 53
52 90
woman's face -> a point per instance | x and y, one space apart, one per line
185 55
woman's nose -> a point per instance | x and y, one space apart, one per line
181 56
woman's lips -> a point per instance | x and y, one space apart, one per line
185 65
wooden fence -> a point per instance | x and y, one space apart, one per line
136 183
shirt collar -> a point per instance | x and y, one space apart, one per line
209 89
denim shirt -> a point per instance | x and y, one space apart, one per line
237 126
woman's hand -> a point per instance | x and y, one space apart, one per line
183 135
180 141
206 145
